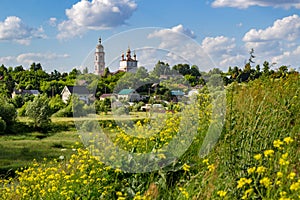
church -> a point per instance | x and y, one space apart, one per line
127 63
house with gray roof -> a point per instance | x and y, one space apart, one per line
24 92
81 91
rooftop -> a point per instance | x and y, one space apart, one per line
126 91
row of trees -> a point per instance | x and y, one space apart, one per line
51 84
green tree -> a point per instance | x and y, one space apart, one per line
251 56
19 68
39 111
195 71
266 68
7 83
183 69
56 104
7 112
161 68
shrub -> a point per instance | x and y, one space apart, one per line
122 111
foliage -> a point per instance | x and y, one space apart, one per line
65 112
7 83
18 101
121 111
22 110
56 103
8 113
103 105
75 107
39 111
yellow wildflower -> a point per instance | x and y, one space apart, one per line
119 193
251 170
222 193
277 144
295 186
284 198
243 181
283 193
279 174
265 181
211 167
288 140
205 161
184 192
247 193
278 183
257 156
261 169
292 175
284 156
117 170
269 152
186 167
283 162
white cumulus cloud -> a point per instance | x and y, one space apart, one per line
289 58
287 28
171 38
218 45
95 15
13 29
264 3
175 34
223 51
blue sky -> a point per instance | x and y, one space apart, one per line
62 34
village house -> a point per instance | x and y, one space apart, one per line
24 92
81 91
107 96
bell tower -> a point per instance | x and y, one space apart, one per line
99 59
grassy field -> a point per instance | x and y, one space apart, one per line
19 150
255 157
